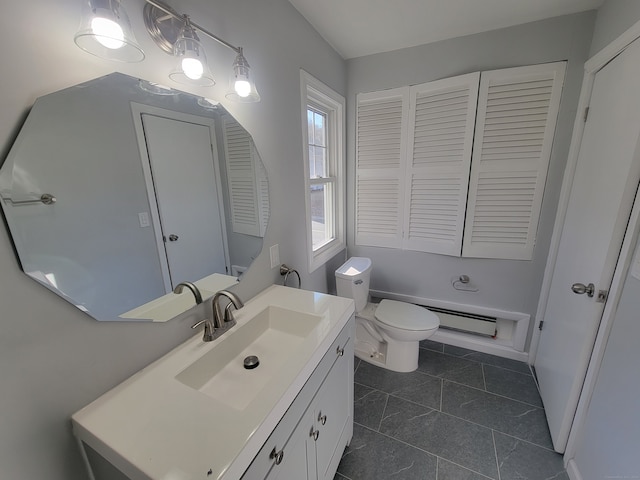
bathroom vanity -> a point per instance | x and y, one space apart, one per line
198 413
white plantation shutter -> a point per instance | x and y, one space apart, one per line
263 192
516 119
241 176
440 139
380 156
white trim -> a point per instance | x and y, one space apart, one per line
573 471
137 109
313 90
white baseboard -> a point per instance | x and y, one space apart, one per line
572 470
479 344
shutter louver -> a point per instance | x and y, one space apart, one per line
441 119
381 143
241 176
517 112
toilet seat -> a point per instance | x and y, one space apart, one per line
406 316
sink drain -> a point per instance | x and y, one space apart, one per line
251 362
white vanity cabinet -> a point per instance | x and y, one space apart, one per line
311 437
197 414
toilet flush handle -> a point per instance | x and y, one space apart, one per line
357 282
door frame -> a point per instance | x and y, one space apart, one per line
591 67
138 109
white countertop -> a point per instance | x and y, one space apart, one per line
167 307
152 426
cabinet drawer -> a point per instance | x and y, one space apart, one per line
277 441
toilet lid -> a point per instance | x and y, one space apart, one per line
406 316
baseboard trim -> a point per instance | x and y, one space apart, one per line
572 470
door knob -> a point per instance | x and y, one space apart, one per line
173 237
581 289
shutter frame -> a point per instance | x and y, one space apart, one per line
381 132
510 161
442 114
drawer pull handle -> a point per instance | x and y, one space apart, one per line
340 351
314 434
322 418
278 456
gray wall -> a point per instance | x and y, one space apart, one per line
504 284
607 444
614 17
53 358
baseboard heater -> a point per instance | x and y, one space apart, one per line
466 322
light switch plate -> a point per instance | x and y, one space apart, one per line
143 218
274 252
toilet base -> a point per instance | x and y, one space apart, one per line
398 360
387 352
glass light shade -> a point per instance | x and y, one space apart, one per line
241 85
192 66
105 31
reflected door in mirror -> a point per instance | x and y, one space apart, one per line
191 232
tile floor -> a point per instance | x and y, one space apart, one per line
463 415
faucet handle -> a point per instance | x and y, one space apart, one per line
209 329
228 313
196 325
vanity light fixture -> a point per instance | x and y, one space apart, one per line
105 31
192 66
176 34
241 86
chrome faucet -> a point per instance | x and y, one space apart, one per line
196 293
226 321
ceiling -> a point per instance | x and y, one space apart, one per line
362 27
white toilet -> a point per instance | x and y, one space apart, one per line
388 333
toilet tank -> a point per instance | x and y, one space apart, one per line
352 280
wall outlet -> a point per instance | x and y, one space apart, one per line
274 252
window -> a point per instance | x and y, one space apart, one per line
457 166
323 137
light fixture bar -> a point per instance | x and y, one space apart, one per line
169 11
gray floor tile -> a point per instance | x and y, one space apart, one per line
512 384
431 345
356 363
448 437
457 351
414 386
451 368
340 477
523 461
501 362
508 416
451 471
372 456
368 406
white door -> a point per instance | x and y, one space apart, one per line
599 206
185 184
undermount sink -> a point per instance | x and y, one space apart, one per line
167 306
273 335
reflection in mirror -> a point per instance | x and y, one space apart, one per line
149 187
